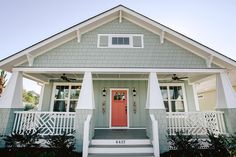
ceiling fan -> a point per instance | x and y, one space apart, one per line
66 78
176 78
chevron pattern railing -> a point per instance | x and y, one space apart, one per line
48 123
196 123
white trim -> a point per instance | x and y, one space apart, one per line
120 16
110 36
78 34
162 36
118 70
168 92
41 97
195 96
110 116
62 84
30 59
209 61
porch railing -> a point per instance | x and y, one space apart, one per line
196 123
48 123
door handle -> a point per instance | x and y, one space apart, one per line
126 109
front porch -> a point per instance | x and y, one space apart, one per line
153 101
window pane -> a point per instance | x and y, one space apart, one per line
60 106
61 92
114 40
166 106
74 93
164 92
177 106
126 41
176 92
120 41
73 105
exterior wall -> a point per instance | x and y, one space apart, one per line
208 102
86 53
136 120
47 97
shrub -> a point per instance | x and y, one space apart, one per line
218 145
63 144
28 139
186 145
232 146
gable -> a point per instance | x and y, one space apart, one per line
154 54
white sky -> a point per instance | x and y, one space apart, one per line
25 22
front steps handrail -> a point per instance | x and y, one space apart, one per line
155 136
86 135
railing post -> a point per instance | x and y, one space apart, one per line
86 135
155 136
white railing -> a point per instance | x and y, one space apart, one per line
196 123
155 136
48 123
86 139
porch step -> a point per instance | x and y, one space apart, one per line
120 147
122 155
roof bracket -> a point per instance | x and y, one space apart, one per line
209 61
120 16
78 33
30 59
162 36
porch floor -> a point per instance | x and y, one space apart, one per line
120 134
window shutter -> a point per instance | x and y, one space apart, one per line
103 41
137 41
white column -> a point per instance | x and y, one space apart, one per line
154 96
12 95
195 97
86 97
225 94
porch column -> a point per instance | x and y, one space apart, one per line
155 106
226 100
11 101
85 106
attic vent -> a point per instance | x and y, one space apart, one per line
120 41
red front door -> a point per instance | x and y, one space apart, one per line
119 108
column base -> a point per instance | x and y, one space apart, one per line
230 118
80 117
160 115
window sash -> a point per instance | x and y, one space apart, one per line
70 100
171 102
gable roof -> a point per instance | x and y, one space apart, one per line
120 12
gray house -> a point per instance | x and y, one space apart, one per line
120 80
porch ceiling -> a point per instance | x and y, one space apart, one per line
165 77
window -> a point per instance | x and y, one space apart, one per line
65 97
173 97
120 41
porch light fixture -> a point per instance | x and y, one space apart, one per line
104 91
134 103
134 91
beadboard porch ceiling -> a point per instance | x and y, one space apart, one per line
164 77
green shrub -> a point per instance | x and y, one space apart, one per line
218 145
185 145
232 145
62 144
27 139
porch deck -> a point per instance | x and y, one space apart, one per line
120 134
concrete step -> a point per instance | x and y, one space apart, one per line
121 142
122 155
120 149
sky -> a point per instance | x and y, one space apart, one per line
26 22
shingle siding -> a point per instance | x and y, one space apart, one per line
86 54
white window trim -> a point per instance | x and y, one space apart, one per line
53 93
184 94
110 45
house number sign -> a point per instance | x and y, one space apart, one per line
120 141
